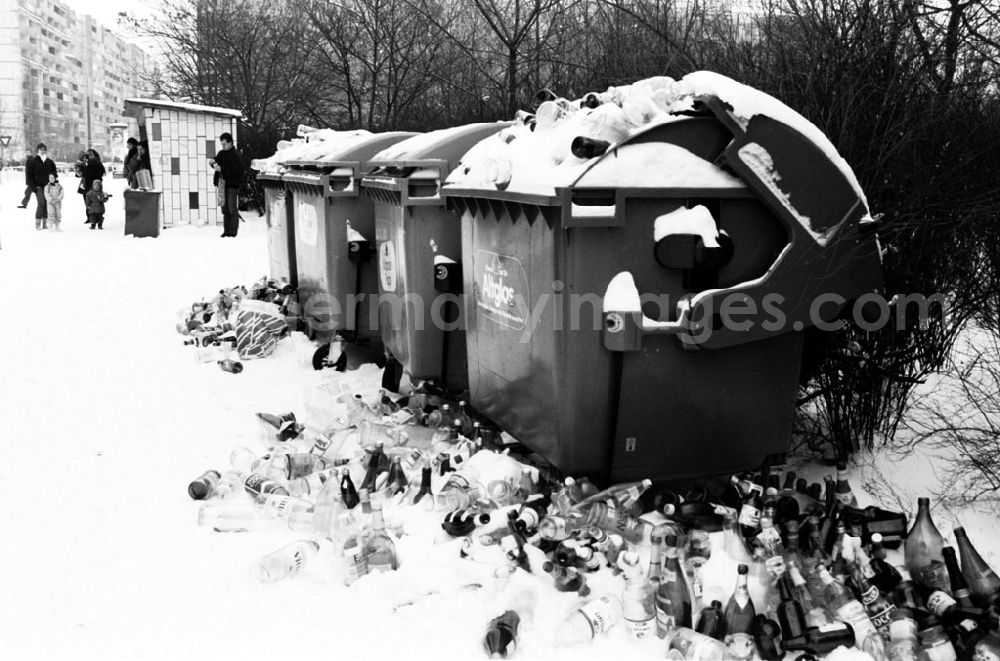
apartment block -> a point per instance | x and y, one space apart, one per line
63 79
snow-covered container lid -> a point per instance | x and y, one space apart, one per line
317 145
416 167
633 137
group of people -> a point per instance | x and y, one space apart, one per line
41 179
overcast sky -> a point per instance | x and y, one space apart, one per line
106 12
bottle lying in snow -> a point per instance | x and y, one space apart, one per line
286 561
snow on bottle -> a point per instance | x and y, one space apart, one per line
638 598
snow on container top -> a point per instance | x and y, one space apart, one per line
783 157
316 145
417 166
338 169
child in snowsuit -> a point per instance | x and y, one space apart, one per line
53 202
96 197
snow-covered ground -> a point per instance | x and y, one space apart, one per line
105 419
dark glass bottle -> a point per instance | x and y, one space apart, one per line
960 591
500 640
820 641
842 489
711 621
584 147
673 599
791 616
348 492
425 483
923 543
375 462
983 581
767 639
731 496
884 575
740 615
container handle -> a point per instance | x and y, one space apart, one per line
624 330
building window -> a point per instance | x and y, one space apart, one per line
157 131
192 199
210 148
45 106
175 166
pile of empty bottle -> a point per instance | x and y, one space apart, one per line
258 313
768 566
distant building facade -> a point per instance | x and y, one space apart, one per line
63 79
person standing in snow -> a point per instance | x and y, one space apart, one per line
93 170
39 170
29 188
53 200
96 197
129 171
229 169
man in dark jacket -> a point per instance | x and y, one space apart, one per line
29 188
133 152
39 170
229 168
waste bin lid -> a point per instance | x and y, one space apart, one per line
354 154
538 162
317 146
444 146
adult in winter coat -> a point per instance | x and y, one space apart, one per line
39 169
93 170
229 170
133 151
29 188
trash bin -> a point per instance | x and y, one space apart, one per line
595 329
280 229
334 228
142 212
419 250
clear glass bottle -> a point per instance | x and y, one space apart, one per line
380 548
936 645
205 485
286 561
847 608
594 618
903 642
689 645
638 598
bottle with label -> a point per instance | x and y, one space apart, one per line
847 608
689 645
740 614
982 580
749 517
259 487
935 643
205 485
697 552
842 489
638 599
815 613
878 607
673 600
655 571
903 642
353 552
286 561
594 618
923 542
